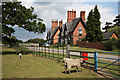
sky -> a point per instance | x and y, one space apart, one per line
58 10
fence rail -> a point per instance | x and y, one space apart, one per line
97 63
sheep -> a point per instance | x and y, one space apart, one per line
69 63
20 55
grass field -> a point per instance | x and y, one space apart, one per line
35 67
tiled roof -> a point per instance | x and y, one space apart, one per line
72 25
107 35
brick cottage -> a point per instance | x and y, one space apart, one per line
69 33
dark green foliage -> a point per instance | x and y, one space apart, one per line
21 49
14 13
115 27
12 41
117 20
107 26
37 40
93 30
90 27
112 44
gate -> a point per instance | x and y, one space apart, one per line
104 65
109 68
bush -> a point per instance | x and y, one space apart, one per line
112 44
21 49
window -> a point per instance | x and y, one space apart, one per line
65 32
80 39
58 35
80 31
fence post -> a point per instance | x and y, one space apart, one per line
67 51
45 51
96 61
42 51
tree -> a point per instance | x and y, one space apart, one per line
13 13
37 40
98 33
93 30
107 26
90 26
117 20
117 23
114 27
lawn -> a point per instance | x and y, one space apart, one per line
35 67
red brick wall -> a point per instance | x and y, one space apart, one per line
55 38
82 14
95 45
76 35
71 15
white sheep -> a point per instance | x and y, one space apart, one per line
69 63
20 55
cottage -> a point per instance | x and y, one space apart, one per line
70 32
110 35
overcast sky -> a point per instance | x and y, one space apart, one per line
58 10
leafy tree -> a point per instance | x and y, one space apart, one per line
12 41
93 23
13 13
112 44
37 40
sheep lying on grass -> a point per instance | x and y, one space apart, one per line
69 63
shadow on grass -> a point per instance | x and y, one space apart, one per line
8 52
16 53
71 71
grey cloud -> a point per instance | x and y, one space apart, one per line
42 3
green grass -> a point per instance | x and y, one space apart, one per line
89 60
8 49
36 67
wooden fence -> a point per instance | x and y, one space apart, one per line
94 62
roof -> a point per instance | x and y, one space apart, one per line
108 35
72 25
52 32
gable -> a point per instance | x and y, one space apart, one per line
109 35
114 36
79 29
56 30
75 22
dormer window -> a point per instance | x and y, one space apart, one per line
80 31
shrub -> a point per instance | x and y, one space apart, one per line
112 44
21 49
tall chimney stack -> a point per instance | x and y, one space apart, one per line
60 23
82 15
71 15
54 23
